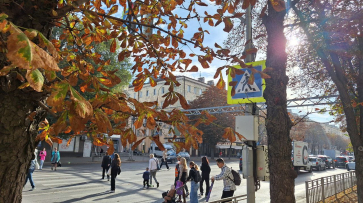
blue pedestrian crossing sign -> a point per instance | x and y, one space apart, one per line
245 92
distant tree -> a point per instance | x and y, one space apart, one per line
213 133
316 137
297 132
350 148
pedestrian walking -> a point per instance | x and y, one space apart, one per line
226 175
55 158
205 168
106 163
36 159
153 166
30 173
177 169
115 170
146 177
183 171
194 178
42 155
163 159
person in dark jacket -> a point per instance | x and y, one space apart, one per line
146 176
106 163
205 168
194 184
115 170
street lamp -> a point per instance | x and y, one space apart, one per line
130 144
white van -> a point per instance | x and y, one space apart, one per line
159 153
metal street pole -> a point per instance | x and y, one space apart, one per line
250 108
130 144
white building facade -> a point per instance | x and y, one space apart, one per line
190 88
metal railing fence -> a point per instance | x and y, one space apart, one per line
320 189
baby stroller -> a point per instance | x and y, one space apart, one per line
169 196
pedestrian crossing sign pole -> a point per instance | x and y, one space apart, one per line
245 92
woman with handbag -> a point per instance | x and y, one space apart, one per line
115 170
55 158
183 171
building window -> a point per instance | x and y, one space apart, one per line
140 94
200 91
195 90
147 93
135 95
162 90
154 91
189 88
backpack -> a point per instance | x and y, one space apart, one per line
236 177
157 163
199 177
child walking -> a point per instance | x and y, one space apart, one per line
146 177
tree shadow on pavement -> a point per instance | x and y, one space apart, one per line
86 197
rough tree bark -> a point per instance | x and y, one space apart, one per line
278 123
333 65
17 129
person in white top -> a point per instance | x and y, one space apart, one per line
163 160
153 167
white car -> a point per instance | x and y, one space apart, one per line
351 165
317 163
185 155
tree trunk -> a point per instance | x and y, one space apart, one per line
358 146
17 141
17 129
278 123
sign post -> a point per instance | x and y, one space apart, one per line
249 89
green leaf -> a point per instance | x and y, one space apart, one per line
35 79
20 50
3 16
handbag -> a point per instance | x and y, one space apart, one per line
179 187
36 166
109 171
59 164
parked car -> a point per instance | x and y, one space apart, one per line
137 152
159 153
185 155
341 161
317 163
171 157
351 165
240 163
350 158
329 162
